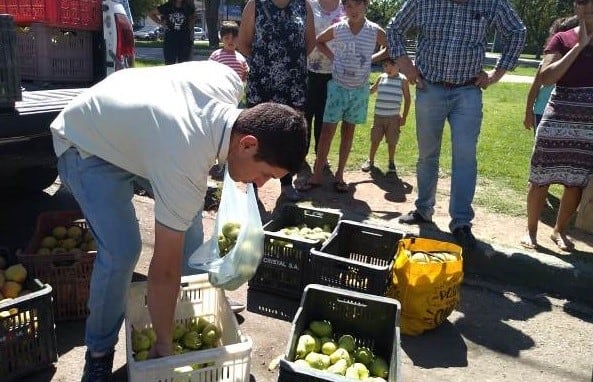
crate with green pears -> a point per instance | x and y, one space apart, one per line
289 237
207 342
339 334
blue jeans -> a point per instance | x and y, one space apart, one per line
104 193
462 108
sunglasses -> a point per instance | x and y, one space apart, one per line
582 2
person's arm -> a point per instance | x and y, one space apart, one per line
513 33
157 17
323 38
375 86
529 120
382 42
397 28
555 65
310 29
407 98
164 277
247 29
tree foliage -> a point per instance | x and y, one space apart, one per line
538 15
381 11
140 8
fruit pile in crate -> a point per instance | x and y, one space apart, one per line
61 253
288 239
317 348
207 342
27 327
339 334
198 334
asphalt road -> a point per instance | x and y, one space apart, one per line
496 334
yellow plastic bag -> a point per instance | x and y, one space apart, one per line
428 291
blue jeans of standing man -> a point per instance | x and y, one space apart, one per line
462 108
104 192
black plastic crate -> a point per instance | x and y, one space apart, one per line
357 256
373 321
27 333
282 269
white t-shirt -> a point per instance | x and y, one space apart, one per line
162 123
318 62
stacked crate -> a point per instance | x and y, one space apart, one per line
55 38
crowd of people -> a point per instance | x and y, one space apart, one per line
303 66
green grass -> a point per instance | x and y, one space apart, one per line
521 70
504 147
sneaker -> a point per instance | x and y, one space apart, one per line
236 306
291 193
98 369
391 168
367 165
413 217
464 237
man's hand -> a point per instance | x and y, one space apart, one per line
483 79
407 67
159 350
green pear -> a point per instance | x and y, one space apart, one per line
379 368
321 328
347 342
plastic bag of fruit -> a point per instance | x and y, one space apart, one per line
234 251
426 279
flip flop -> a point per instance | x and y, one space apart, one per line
307 186
527 243
341 187
562 242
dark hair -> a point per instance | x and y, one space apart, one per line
281 132
229 27
562 24
366 2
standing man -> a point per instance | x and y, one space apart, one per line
178 17
449 81
122 131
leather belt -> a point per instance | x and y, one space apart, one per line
451 85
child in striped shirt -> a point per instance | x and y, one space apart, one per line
228 55
391 87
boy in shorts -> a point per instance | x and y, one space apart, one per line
355 38
391 87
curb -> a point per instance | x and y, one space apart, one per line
568 278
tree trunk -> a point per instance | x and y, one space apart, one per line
212 22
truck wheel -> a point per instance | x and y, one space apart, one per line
29 181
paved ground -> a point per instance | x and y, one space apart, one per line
499 332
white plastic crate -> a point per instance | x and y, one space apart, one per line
197 298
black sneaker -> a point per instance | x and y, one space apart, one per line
98 369
464 237
413 217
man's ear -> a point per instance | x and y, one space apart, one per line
248 142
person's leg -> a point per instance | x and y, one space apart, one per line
465 118
431 112
392 137
377 133
319 110
346 138
312 104
185 50
571 197
169 50
536 199
104 193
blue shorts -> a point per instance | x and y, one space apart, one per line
345 104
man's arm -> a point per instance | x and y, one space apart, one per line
397 28
513 32
322 39
157 17
310 30
164 277
247 29
375 86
